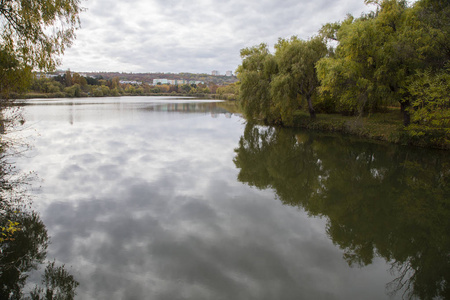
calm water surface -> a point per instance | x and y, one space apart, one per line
164 198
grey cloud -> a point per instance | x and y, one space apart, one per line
186 27
159 247
69 171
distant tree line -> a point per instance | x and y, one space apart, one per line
148 77
397 55
74 85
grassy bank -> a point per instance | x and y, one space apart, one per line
380 126
383 126
386 126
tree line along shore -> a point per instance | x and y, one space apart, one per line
389 70
73 84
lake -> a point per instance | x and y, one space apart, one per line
169 198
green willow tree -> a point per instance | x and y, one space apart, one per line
272 86
431 111
369 68
380 56
13 75
296 78
433 19
429 87
33 35
255 74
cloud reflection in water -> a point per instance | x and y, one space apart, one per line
145 204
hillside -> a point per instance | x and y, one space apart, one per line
148 77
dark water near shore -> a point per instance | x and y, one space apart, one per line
159 198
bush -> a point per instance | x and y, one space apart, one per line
325 104
73 91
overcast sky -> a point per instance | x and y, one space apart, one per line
191 36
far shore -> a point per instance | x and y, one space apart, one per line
385 126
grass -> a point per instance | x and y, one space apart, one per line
386 126
383 126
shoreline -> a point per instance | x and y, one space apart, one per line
385 126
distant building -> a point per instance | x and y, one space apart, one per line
175 81
215 73
160 81
229 73
45 75
134 82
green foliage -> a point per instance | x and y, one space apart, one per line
255 74
47 86
432 18
430 107
115 92
105 90
186 88
329 30
130 89
272 86
73 91
296 76
395 55
33 35
361 74
97 91
228 92
431 94
324 103
14 77
25 31
379 54
7 232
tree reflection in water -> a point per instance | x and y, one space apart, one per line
379 199
25 248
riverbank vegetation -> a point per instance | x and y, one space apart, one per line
72 84
396 56
33 35
26 43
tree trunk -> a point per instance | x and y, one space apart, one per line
406 116
312 112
